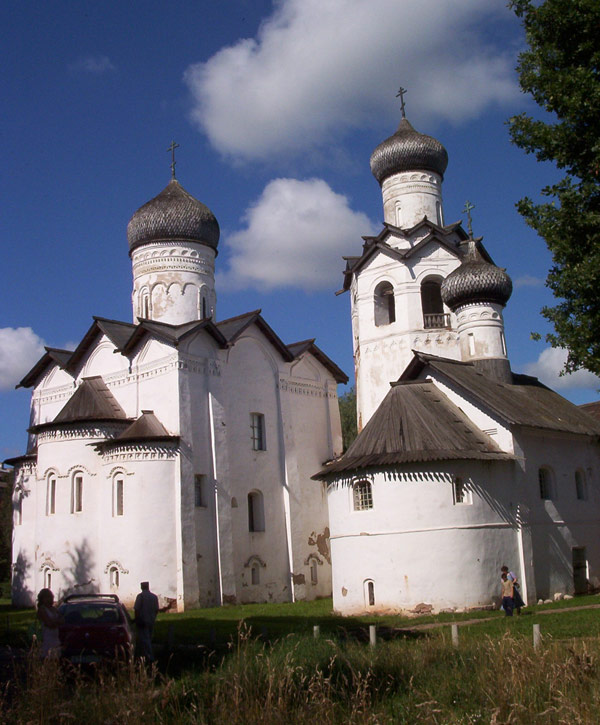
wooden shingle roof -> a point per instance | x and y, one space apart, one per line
415 422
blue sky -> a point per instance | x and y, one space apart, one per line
276 107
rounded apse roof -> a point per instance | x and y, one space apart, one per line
476 280
408 150
173 215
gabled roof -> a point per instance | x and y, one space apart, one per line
146 429
233 327
415 422
52 356
92 401
173 334
117 332
526 402
592 409
299 348
373 245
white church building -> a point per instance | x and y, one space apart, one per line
177 449
180 449
460 465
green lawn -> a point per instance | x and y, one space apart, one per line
216 626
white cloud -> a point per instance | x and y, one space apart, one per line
318 69
295 235
548 366
528 280
94 64
20 349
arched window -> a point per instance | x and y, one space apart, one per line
545 481
255 573
369 593
580 485
145 305
118 495
385 307
256 511
362 495
47 573
432 305
77 493
113 576
51 496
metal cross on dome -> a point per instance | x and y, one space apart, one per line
467 209
400 94
172 148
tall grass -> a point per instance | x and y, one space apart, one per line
300 680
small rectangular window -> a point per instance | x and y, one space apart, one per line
363 496
77 506
257 429
461 492
545 484
200 491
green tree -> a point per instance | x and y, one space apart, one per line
561 71
347 403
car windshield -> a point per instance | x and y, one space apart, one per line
91 613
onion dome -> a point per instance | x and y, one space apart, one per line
408 150
173 215
476 280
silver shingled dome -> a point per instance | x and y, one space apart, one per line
476 280
408 150
173 215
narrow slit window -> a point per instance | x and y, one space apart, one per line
256 512
257 432
77 495
119 496
51 498
545 483
255 574
580 486
314 575
200 491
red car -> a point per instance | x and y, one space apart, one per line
95 627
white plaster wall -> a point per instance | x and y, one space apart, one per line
411 195
312 435
172 274
564 522
486 325
382 353
249 384
416 545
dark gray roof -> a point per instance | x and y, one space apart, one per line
92 401
299 348
476 280
444 236
233 327
415 422
408 150
146 429
53 355
173 215
172 334
526 402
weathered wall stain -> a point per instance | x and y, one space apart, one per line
321 541
299 578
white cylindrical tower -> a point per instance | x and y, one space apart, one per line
173 242
409 167
476 292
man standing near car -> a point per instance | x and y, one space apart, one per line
146 609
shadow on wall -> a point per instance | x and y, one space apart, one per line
22 596
78 577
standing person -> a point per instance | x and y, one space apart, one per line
50 619
507 594
517 598
146 609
